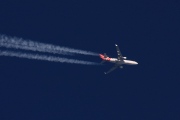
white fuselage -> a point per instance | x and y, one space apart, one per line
127 62
117 61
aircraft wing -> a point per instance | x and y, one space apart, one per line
113 68
118 52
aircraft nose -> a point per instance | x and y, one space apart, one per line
136 63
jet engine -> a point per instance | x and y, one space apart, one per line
125 58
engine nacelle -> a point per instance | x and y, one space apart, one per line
125 58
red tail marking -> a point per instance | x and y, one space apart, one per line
102 57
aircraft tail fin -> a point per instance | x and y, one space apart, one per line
105 56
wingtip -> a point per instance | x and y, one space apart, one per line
116 45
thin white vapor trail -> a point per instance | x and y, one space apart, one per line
19 43
44 57
17 46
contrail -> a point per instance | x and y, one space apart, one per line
17 46
45 58
19 43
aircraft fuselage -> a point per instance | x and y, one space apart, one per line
115 60
127 62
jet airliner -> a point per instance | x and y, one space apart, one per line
119 61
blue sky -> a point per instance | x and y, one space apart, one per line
146 31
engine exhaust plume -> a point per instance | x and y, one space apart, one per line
45 58
19 43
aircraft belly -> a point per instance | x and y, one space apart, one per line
129 62
113 61
118 62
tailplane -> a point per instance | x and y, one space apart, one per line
105 56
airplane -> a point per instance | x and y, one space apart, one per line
119 61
